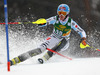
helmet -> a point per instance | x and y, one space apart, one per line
63 9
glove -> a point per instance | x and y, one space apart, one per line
83 41
42 25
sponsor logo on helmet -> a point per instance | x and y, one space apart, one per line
62 8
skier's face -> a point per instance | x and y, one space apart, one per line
62 17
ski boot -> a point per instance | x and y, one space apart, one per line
44 58
25 56
14 61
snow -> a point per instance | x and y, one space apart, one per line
82 66
57 65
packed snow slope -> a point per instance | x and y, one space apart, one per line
86 66
22 40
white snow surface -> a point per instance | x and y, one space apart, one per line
82 66
57 65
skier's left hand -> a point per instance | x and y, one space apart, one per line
83 41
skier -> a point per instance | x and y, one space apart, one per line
59 39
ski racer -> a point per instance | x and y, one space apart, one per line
58 40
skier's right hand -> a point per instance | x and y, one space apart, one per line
42 25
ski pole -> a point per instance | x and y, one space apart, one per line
59 54
83 46
39 21
12 23
17 23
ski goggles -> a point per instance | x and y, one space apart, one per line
63 13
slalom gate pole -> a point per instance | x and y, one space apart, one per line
11 23
59 54
7 39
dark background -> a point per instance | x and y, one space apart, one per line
85 12
82 11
